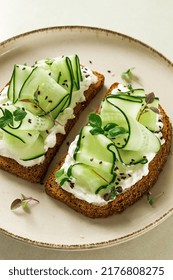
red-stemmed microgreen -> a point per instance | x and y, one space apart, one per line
23 202
149 99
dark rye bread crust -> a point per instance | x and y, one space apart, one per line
36 173
130 196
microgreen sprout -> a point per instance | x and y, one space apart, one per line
149 99
9 117
151 199
111 130
22 202
128 76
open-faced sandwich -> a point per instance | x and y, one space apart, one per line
38 108
117 157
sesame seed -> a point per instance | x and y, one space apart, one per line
71 185
116 168
119 189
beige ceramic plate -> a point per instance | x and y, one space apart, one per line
50 223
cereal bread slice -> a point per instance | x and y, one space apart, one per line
36 173
124 199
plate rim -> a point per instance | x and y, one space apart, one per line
84 27
133 234
89 246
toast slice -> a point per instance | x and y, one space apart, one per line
36 173
125 198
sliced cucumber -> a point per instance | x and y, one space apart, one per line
91 179
62 72
93 150
138 92
149 118
132 157
34 151
61 106
32 122
10 92
43 90
20 74
25 136
138 137
30 106
24 151
128 104
77 75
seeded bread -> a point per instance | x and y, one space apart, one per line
123 200
36 173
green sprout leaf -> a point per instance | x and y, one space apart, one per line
6 119
152 199
128 76
95 120
109 126
19 114
9 117
116 131
96 131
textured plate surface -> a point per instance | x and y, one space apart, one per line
50 223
